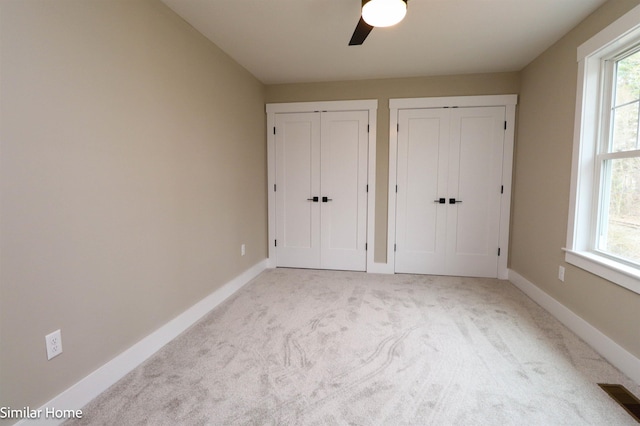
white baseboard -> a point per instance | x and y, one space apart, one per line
78 395
614 353
372 268
380 268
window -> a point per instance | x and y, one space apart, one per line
604 221
618 163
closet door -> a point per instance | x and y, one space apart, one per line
422 177
298 182
343 171
475 177
449 191
321 189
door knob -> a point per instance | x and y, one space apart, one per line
326 199
454 201
314 199
440 200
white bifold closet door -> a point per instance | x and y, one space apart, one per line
321 189
449 178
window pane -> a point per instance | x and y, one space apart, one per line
625 128
628 79
620 216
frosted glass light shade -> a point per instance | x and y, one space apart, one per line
384 13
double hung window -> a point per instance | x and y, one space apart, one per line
618 162
603 234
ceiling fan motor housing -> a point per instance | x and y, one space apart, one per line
364 27
383 13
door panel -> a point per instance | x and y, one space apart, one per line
344 184
451 153
321 155
422 178
477 139
297 177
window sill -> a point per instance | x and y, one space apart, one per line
618 273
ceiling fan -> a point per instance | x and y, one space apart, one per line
377 13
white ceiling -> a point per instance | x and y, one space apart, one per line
290 41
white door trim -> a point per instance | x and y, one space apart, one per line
509 102
370 105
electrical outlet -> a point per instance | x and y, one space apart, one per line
54 344
561 273
243 250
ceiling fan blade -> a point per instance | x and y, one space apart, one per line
360 34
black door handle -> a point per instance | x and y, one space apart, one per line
314 199
454 201
440 200
325 199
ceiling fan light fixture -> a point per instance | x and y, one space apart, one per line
383 13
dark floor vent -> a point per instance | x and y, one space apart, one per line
626 399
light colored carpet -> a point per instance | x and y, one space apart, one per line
306 347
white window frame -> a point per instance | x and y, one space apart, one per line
583 205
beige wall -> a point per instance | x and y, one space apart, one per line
133 165
383 90
542 181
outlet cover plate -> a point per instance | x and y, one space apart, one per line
54 344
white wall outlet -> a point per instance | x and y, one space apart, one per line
243 250
54 344
561 273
